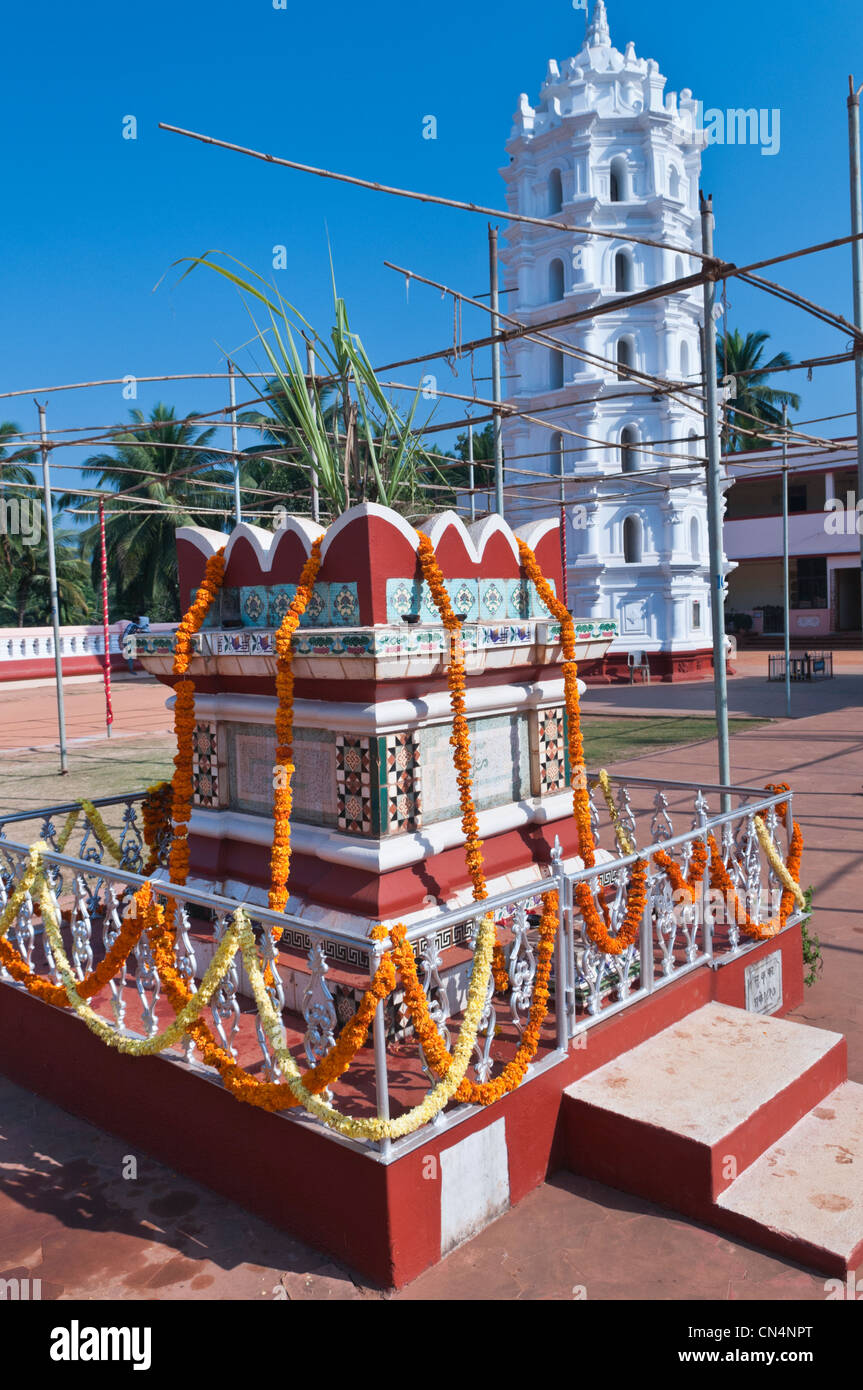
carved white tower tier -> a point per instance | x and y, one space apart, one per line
605 148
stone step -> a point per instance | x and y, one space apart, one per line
679 1117
804 1195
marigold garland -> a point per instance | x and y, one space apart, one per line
460 739
156 817
433 1045
280 857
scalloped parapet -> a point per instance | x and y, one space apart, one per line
370 572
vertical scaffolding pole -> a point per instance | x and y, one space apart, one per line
857 266
714 510
235 451
470 472
52 587
786 582
316 499
495 369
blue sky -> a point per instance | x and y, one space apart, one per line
92 221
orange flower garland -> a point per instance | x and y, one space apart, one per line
280 858
580 794
460 740
433 1045
89 987
184 715
156 816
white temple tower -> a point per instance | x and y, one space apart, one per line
606 148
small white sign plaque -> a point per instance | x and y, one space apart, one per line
763 981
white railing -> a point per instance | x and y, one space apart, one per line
588 985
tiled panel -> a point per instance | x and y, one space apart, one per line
492 599
552 751
317 612
518 598
253 605
537 607
403 596
400 790
344 605
280 597
464 597
205 765
353 784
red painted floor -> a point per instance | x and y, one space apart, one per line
69 1217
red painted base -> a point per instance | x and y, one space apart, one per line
42 667
666 667
382 1220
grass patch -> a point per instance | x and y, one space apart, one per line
30 781
608 740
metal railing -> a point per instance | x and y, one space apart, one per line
318 974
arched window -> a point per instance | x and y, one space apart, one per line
673 183
555 371
693 442
555 281
622 273
679 268
628 456
555 191
624 357
619 180
632 540
684 360
695 539
556 455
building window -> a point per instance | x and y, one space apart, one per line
628 457
555 281
622 273
555 191
632 540
696 613
624 357
619 180
556 454
693 442
555 373
797 497
673 184
694 539
684 360
809 582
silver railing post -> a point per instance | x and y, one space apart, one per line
382 1088
561 982
645 945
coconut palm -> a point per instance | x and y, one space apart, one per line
278 424
366 450
742 359
14 470
25 597
172 464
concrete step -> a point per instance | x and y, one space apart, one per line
804 1195
678 1118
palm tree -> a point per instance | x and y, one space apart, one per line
278 424
14 471
171 463
25 598
741 358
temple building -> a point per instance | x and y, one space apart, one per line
607 148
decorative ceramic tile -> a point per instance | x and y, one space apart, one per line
518 598
353 784
403 596
253 605
401 800
344 605
317 612
428 607
552 751
537 607
205 766
280 597
464 597
492 599
230 615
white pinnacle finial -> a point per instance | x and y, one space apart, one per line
598 32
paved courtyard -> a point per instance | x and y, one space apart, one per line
69 1217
